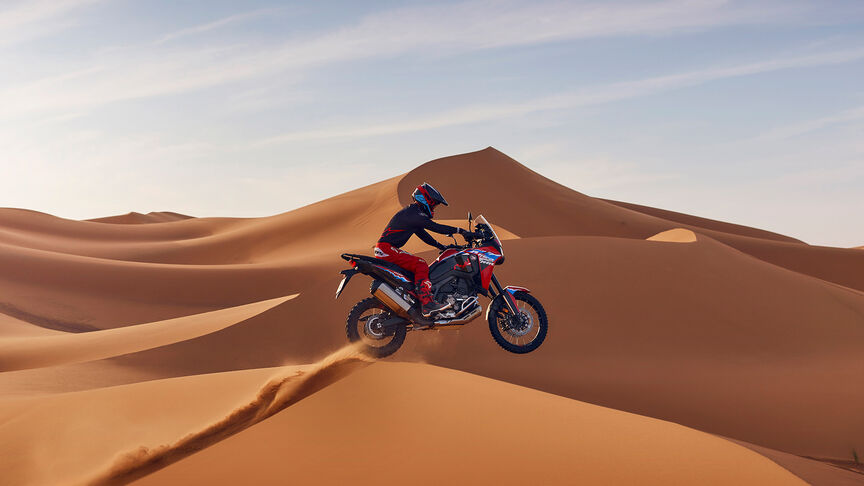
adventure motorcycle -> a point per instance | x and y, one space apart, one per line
517 320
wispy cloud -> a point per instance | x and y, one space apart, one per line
26 20
584 97
188 152
216 24
484 24
494 23
800 128
452 28
589 174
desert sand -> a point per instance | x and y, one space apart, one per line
138 218
168 349
440 426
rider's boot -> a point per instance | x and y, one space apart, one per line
429 305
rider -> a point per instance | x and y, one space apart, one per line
415 219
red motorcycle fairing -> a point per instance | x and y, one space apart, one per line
447 253
487 256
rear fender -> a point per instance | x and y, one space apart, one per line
344 283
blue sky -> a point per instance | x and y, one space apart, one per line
745 111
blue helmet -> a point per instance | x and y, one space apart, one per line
428 197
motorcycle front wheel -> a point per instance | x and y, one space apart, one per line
364 325
522 333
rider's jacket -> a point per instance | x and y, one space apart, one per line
413 220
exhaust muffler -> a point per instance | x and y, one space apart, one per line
389 297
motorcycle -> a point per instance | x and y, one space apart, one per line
517 320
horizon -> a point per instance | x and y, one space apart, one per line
744 112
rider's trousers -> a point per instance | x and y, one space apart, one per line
415 264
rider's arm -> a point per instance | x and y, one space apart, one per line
439 228
429 240
420 221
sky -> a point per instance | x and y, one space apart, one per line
745 111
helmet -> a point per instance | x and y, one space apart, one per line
428 197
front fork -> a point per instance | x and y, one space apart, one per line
508 297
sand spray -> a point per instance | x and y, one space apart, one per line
282 390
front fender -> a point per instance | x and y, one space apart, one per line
510 301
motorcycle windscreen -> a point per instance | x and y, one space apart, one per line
482 220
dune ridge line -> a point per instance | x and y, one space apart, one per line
675 235
17 353
280 391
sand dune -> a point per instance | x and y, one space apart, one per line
88 437
704 223
696 333
813 472
214 241
23 352
637 325
75 293
138 218
11 327
220 250
538 206
80 276
677 235
734 330
448 427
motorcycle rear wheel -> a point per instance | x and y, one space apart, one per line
360 327
521 334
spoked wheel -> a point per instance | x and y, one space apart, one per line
521 333
364 325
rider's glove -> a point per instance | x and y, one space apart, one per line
468 235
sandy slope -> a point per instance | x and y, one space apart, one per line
724 328
64 437
529 204
645 326
677 235
11 327
813 472
410 423
87 437
80 276
704 223
45 257
138 218
696 333
24 352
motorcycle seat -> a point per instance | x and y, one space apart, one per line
380 262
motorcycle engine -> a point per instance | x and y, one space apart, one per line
457 288
457 299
